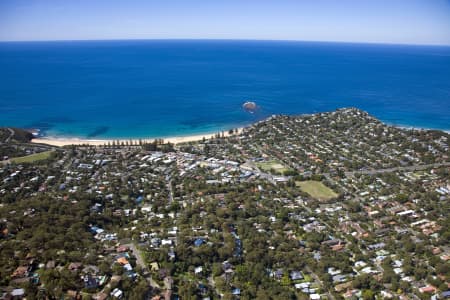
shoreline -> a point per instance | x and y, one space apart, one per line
62 141
65 141
420 128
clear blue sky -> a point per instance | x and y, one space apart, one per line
379 21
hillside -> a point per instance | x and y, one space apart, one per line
14 135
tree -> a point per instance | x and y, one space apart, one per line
368 295
261 294
402 198
217 269
139 290
362 282
186 290
285 280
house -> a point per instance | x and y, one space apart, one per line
351 293
296 275
343 287
303 285
428 289
19 293
130 274
171 254
155 242
20 272
168 282
166 242
117 293
163 273
436 251
203 288
386 295
332 242
167 294
122 248
73 294
339 278
317 256
198 270
50 264
236 291
128 267
100 296
154 266
376 246
337 247
198 242
90 269
226 265
368 270
332 271
278 274
75 266
360 264
90 282
122 261
314 297
96 230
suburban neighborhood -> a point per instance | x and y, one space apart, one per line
332 205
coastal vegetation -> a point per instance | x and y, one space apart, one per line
15 135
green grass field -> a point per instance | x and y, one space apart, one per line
316 189
267 166
32 158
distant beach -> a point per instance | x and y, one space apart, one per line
55 141
66 141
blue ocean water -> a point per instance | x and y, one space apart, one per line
116 89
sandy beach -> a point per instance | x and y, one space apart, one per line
56 141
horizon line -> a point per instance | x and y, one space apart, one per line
225 39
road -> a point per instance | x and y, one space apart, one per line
389 170
260 173
212 283
10 135
169 187
269 177
140 262
317 279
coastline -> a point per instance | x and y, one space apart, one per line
407 127
66 141
61 141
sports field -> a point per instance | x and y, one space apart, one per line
268 166
31 158
316 190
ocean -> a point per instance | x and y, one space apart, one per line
158 88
